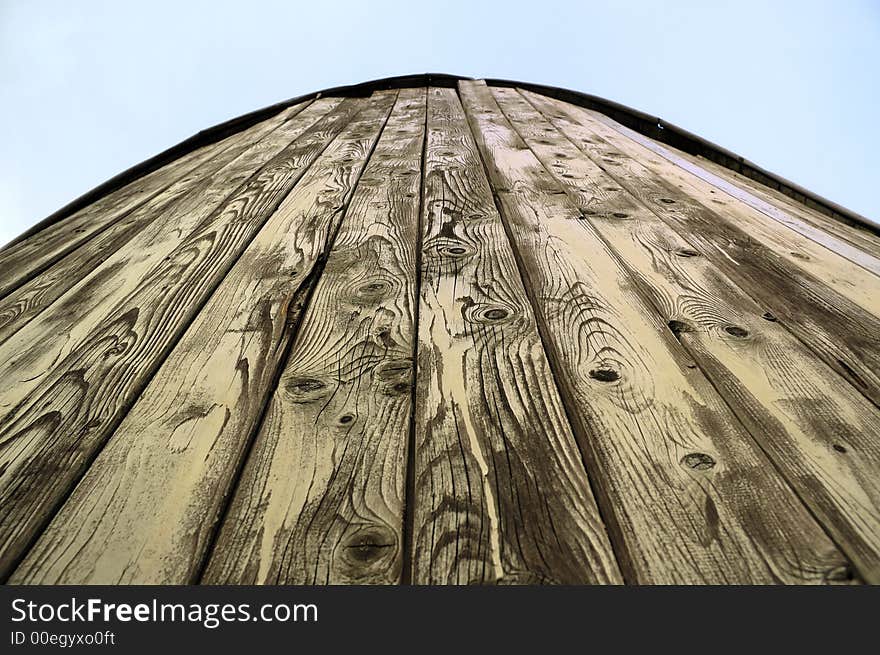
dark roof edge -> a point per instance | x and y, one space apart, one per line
651 126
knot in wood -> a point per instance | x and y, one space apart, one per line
736 331
305 389
604 374
678 327
698 461
450 249
686 252
488 313
373 290
768 316
620 215
368 551
668 201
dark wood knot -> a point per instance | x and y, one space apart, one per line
305 389
767 316
839 448
345 419
678 327
373 290
736 331
488 314
686 252
668 201
604 374
395 376
620 215
369 549
698 461
454 250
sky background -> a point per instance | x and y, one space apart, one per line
90 88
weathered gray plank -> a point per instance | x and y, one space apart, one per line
28 300
500 491
26 259
322 497
690 496
189 429
823 435
50 435
837 330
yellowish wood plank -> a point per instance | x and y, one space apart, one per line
23 261
500 490
189 430
691 497
321 498
840 332
59 419
823 435
29 355
862 239
25 302
853 273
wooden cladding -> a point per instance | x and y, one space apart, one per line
441 335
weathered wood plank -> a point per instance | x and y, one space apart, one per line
852 273
28 300
50 436
30 354
691 497
823 435
837 330
321 499
151 522
500 490
25 260
862 239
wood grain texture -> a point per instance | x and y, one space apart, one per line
500 492
29 354
26 259
864 240
820 432
672 461
440 337
127 521
25 302
321 498
837 330
50 435
853 274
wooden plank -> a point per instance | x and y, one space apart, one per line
189 430
49 437
28 300
500 493
861 238
838 331
852 273
29 355
321 497
824 436
690 496
25 260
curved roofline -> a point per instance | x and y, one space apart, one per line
650 126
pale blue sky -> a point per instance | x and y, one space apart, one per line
90 88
